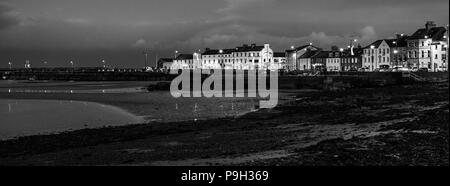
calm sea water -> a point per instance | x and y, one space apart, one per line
30 117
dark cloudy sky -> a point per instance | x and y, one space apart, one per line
87 31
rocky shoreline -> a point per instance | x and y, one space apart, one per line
393 125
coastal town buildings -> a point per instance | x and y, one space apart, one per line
165 63
245 57
183 61
399 51
319 60
333 61
427 48
377 56
352 60
304 61
293 55
279 61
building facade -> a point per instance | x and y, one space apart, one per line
279 61
183 62
245 57
333 61
427 48
352 61
377 56
293 56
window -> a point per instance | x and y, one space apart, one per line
436 56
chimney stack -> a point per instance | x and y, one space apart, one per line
429 25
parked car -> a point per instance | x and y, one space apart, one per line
423 70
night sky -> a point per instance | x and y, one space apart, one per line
87 31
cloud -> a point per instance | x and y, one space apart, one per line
139 43
7 17
77 20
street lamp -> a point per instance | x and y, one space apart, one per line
104 63
71 63
176 53
10 65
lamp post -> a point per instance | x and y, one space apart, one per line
145 52
71 63
104 63
10 65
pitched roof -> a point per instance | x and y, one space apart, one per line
249 48
309 54
184 57
435 33
301 48
211 52
376 44
279 54
321 54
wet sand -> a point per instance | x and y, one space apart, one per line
404 125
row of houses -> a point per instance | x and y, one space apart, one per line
245 57
427 48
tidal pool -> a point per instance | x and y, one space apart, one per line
22 117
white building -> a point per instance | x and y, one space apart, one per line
427 48
183 61
279 61
333 62
246 57
377 56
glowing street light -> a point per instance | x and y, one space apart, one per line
395 51
10 65
341 49
104 63
221 51
71 63
292 47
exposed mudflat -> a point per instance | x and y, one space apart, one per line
398 125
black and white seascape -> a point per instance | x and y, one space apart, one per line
246 83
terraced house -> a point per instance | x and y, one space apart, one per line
377 56
427 48
245 57
351 61
293 56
